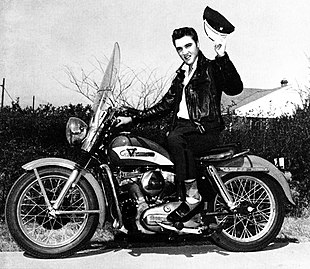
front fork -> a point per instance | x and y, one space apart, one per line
221 187
53 208
74 177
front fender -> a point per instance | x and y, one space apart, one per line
252 163
72 165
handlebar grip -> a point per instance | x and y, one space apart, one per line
131 110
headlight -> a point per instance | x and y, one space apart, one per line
76 130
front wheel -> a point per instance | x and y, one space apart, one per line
259 217
41 233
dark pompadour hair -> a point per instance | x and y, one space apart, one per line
184 31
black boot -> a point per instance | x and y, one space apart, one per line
193 199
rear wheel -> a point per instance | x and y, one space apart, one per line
37 231
259 217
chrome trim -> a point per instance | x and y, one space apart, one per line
241 153
61 212
47 201
221 187
50 162
74 177
243 169
184 230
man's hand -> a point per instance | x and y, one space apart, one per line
123 120
220 47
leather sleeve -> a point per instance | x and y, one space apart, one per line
226 76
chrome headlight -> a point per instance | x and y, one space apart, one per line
76 131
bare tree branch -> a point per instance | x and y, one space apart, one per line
139 89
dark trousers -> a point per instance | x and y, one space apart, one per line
185 143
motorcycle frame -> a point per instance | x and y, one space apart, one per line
253 164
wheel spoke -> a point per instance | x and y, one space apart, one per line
252 194
35 220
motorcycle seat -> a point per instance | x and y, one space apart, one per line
222 152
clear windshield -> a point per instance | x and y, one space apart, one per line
101 101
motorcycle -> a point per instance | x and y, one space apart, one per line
55 207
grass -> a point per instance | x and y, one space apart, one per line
7 243
296 229
293 230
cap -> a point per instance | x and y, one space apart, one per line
216 25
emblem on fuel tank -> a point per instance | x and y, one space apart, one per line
132 152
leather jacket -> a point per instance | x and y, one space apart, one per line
203 94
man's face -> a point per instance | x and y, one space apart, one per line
187 49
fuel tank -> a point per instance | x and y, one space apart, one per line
128 150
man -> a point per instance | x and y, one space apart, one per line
194 97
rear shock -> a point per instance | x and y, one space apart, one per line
221 187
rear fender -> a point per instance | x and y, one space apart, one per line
72 165
252 163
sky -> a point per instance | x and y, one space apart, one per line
39 39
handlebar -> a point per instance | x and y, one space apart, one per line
129 111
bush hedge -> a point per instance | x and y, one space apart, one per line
27 134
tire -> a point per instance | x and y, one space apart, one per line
261 219
30 224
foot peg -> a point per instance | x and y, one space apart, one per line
215 227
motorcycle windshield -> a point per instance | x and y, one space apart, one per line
101 101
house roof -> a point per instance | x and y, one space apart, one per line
264 103
247 96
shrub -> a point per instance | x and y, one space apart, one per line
26 135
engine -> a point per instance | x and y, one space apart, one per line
153 183
141 189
